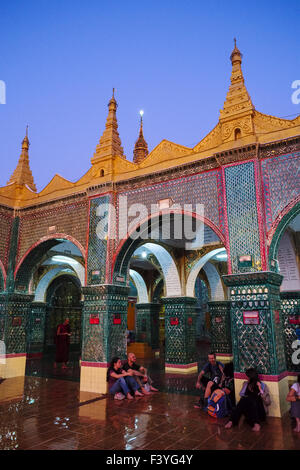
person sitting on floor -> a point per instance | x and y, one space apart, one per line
294 398
228 383
140 374
215 370
120 382
254 395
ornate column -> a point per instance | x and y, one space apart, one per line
180 334
15 312
290 307
257 333
147 325
104 325
14 317
36 329
221 342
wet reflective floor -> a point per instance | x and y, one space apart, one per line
51 414
44 367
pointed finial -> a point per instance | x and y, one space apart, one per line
236 55
110 142
25 143
141 148
141 114
22 174
112 102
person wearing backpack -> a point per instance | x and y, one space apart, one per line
254 397
210 378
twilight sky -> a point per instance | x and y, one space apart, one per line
60 60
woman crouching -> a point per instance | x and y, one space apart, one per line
254 395
120 383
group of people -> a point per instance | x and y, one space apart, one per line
129 380
255 396
132 380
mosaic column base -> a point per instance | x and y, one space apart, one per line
180 334
221 342
257 333
104 323
147 324
14 314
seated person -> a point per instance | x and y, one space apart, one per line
121 382
294 398
140 374
254 397
228 383
215 370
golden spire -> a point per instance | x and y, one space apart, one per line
141 148
22 174
110 142
238 104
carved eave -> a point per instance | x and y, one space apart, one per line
264 123
57 183
211 141
165 151
13 194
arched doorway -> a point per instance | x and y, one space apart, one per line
53 272
284 257
169 267
63 300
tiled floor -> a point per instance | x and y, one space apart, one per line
41 413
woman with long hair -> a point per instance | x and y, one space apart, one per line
251 404
120 382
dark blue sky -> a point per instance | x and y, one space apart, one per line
60 60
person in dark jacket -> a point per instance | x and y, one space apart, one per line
251 404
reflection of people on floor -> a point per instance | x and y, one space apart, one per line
294 398
63 334
120 382
210 378
254 394
140 374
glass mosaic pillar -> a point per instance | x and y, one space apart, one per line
201 293
15 312
180 334
104 325
290 307
257 333
221 342
36 329
147 324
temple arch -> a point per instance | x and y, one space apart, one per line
190 285
140 286
215 282
66 250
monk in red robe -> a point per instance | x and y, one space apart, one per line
63 334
